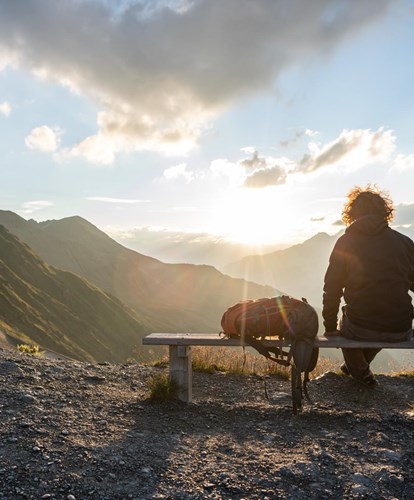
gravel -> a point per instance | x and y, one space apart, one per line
74 431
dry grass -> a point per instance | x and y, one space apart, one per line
236 361
325 365
404 372
402 369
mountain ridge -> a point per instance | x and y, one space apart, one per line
59 310
171 297
299 269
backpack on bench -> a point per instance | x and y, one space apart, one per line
286 318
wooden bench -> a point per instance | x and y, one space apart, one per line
180 353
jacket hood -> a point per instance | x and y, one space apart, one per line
369 224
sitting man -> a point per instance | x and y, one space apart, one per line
372 267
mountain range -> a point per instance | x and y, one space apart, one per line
298 270
161 297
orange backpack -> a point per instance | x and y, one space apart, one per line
283 317
287 319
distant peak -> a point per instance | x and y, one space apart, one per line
11 219
319 236
74 221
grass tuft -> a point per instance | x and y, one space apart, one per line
32 349
162 388
160 363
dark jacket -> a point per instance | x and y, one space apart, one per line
372 267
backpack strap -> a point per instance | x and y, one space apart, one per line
266 352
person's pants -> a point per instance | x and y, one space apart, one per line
358 360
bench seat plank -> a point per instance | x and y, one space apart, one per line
215 339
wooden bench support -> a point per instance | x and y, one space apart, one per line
181 371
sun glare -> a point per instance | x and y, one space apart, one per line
255 218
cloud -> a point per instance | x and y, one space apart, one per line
248 149
254 172
114 200
268 176
254 162
356 148
5 108
160 71
179 171
43 139
403 163
264 171
234 172
33 206
96 149
404 214
297 136
353 148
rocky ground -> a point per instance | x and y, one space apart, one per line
72 430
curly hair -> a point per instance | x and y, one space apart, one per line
366 201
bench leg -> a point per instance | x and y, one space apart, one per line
181 371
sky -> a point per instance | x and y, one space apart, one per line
246 119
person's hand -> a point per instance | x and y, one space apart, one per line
333 333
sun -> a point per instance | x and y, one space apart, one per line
255 217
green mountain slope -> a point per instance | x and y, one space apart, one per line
60 311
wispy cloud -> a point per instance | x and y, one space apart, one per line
317 219
403 163
5 108
33 206
185 208
43 139
297 136
179 172
105 199
169 67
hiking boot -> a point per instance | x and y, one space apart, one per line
368 381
